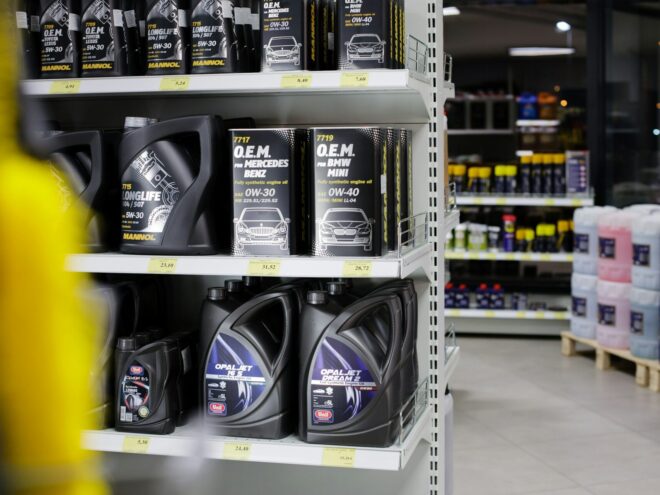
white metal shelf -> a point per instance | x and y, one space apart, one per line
537 123
569 202
294 266
536 257
507 314
453 357
376 96
188 441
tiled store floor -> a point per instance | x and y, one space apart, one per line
530 421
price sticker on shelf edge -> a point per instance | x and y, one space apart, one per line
162 265
236 451
264 268
337 457
357 269
352 79
296 81
174 83
135 445
65 87
490 314
501 201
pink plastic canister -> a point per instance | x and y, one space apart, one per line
613 329
615 245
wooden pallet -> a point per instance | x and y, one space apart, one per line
647 372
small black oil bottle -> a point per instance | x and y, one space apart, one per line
214 44
168 37
249 369
147 398
168 172
104 40
59 31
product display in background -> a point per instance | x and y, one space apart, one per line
173 37
612 249
494 297
351 383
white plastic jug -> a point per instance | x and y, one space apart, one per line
645 323
585 252
615 245
646 252
585 305
613 328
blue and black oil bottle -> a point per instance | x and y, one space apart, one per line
350 392
168 37
249 369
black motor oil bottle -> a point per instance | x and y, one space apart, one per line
187 377
214 43
298 288
284 33
167 174
85 171
168 37
27 24
350 393
249 367
268 192
364 44
243 22
255 22
338 291
59 31
117 312
409 365
348 189
104 41
147 398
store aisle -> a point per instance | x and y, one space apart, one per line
530 421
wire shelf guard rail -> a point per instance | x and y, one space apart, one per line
412 232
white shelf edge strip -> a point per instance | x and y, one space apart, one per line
508 314
540 257
537 123
187 442
264 82
522 201
387 267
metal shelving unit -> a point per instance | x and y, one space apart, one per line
532 257
380 97
568 202
508 314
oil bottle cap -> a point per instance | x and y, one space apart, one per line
251 281
559 158
520 234
484 172
473 172
234 286
217 294
526 159
126 344
529 235
537 159
548 159
550 230
317 297
512 170
540 230
500 170
336 288
562 226
460 169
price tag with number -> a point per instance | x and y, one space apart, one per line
351 79
236 451
65 87
135 445
264 268
357 269
174 83
296 81
336 457
162 265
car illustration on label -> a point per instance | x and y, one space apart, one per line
345 227
262 227
365 47
283 50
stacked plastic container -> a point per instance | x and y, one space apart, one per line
645 295
585 271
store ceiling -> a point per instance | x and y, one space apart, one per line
490 30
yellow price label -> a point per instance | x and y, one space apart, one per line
357 269
354 79
135 445
545 257
489 256
576 202
540 315
336 457
500 201
490 314
162 265
296 81
264 268
174 83
478 201
65 87
235 451
526 257
550 202
520 315
453 313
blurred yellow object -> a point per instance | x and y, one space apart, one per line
48 340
